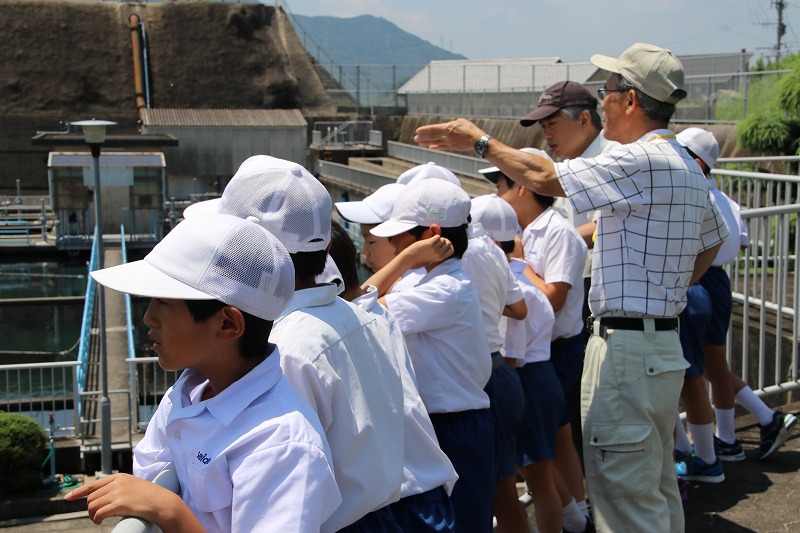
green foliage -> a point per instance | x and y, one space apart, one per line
766 134
788 93
22 449
761 99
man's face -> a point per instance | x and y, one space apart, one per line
377 251
614 105
567 138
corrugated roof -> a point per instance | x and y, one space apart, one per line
503 75
232 118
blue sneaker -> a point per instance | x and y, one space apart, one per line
774 434
728 452
695 469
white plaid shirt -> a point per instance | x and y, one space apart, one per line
656 215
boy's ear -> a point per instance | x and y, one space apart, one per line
435 229
230 324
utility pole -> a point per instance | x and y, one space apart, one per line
780 5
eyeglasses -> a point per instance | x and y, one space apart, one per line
605 91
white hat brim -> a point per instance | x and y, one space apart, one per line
357 212
143 279
209 207
605 62
489 170
390 228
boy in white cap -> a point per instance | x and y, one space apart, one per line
727 387
438 311
336 355
249 452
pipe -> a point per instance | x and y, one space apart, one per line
138 78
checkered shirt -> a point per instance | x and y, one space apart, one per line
656 215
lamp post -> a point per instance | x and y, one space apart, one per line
94 132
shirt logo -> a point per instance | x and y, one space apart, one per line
203 458
437 213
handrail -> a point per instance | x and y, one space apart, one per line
86 327
168 479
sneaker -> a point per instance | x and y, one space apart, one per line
774 435
695 469
681 457
728 452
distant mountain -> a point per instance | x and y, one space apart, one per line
368 40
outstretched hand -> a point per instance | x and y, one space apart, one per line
459 135
126 495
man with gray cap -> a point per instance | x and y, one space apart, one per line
657 233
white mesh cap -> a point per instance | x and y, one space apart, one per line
374 209
426 172
213 257
702 143
425 203
281 196
490 173
496 216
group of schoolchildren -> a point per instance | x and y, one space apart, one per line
314 401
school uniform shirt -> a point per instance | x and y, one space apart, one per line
252 458
440 317
528 340
342 362
487 266
648 236
556 253
737 231
426 466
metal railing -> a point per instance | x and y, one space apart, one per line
459 164
149 383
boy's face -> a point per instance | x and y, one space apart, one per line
404 240
179 341
377 251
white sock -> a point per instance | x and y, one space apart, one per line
748 399
682 443
574 519
726 429
703 439
584 508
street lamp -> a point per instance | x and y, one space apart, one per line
94 132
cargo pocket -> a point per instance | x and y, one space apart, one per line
622 456
211 489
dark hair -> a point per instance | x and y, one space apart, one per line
507 246
254 342
573 112
509 182
308 265
457 237
344 254
700 162
652 108
546 201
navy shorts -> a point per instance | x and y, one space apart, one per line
566 356
507 404
430 511
693 322
378 521
467 438
718 286
544 401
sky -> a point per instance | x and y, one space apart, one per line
573 30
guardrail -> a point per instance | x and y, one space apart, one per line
15 230
459 164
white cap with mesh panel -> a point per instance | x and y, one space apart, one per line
374 209
490 173
214 257
702 143
281 196
425 203
426 172
496 216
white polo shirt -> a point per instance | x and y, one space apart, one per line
252 458
440 317
342 362
737 231
655 217
426 465
556 253
487 266
528 340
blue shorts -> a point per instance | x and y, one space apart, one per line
507 404
693 322
544 401
378 521
467 438
566 356
718 285
430 511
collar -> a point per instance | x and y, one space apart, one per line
541 221
368 301
475 230
445 267
226 405
658 135
712 183
598 146
516 265
313 297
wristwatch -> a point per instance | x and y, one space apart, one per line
482 144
